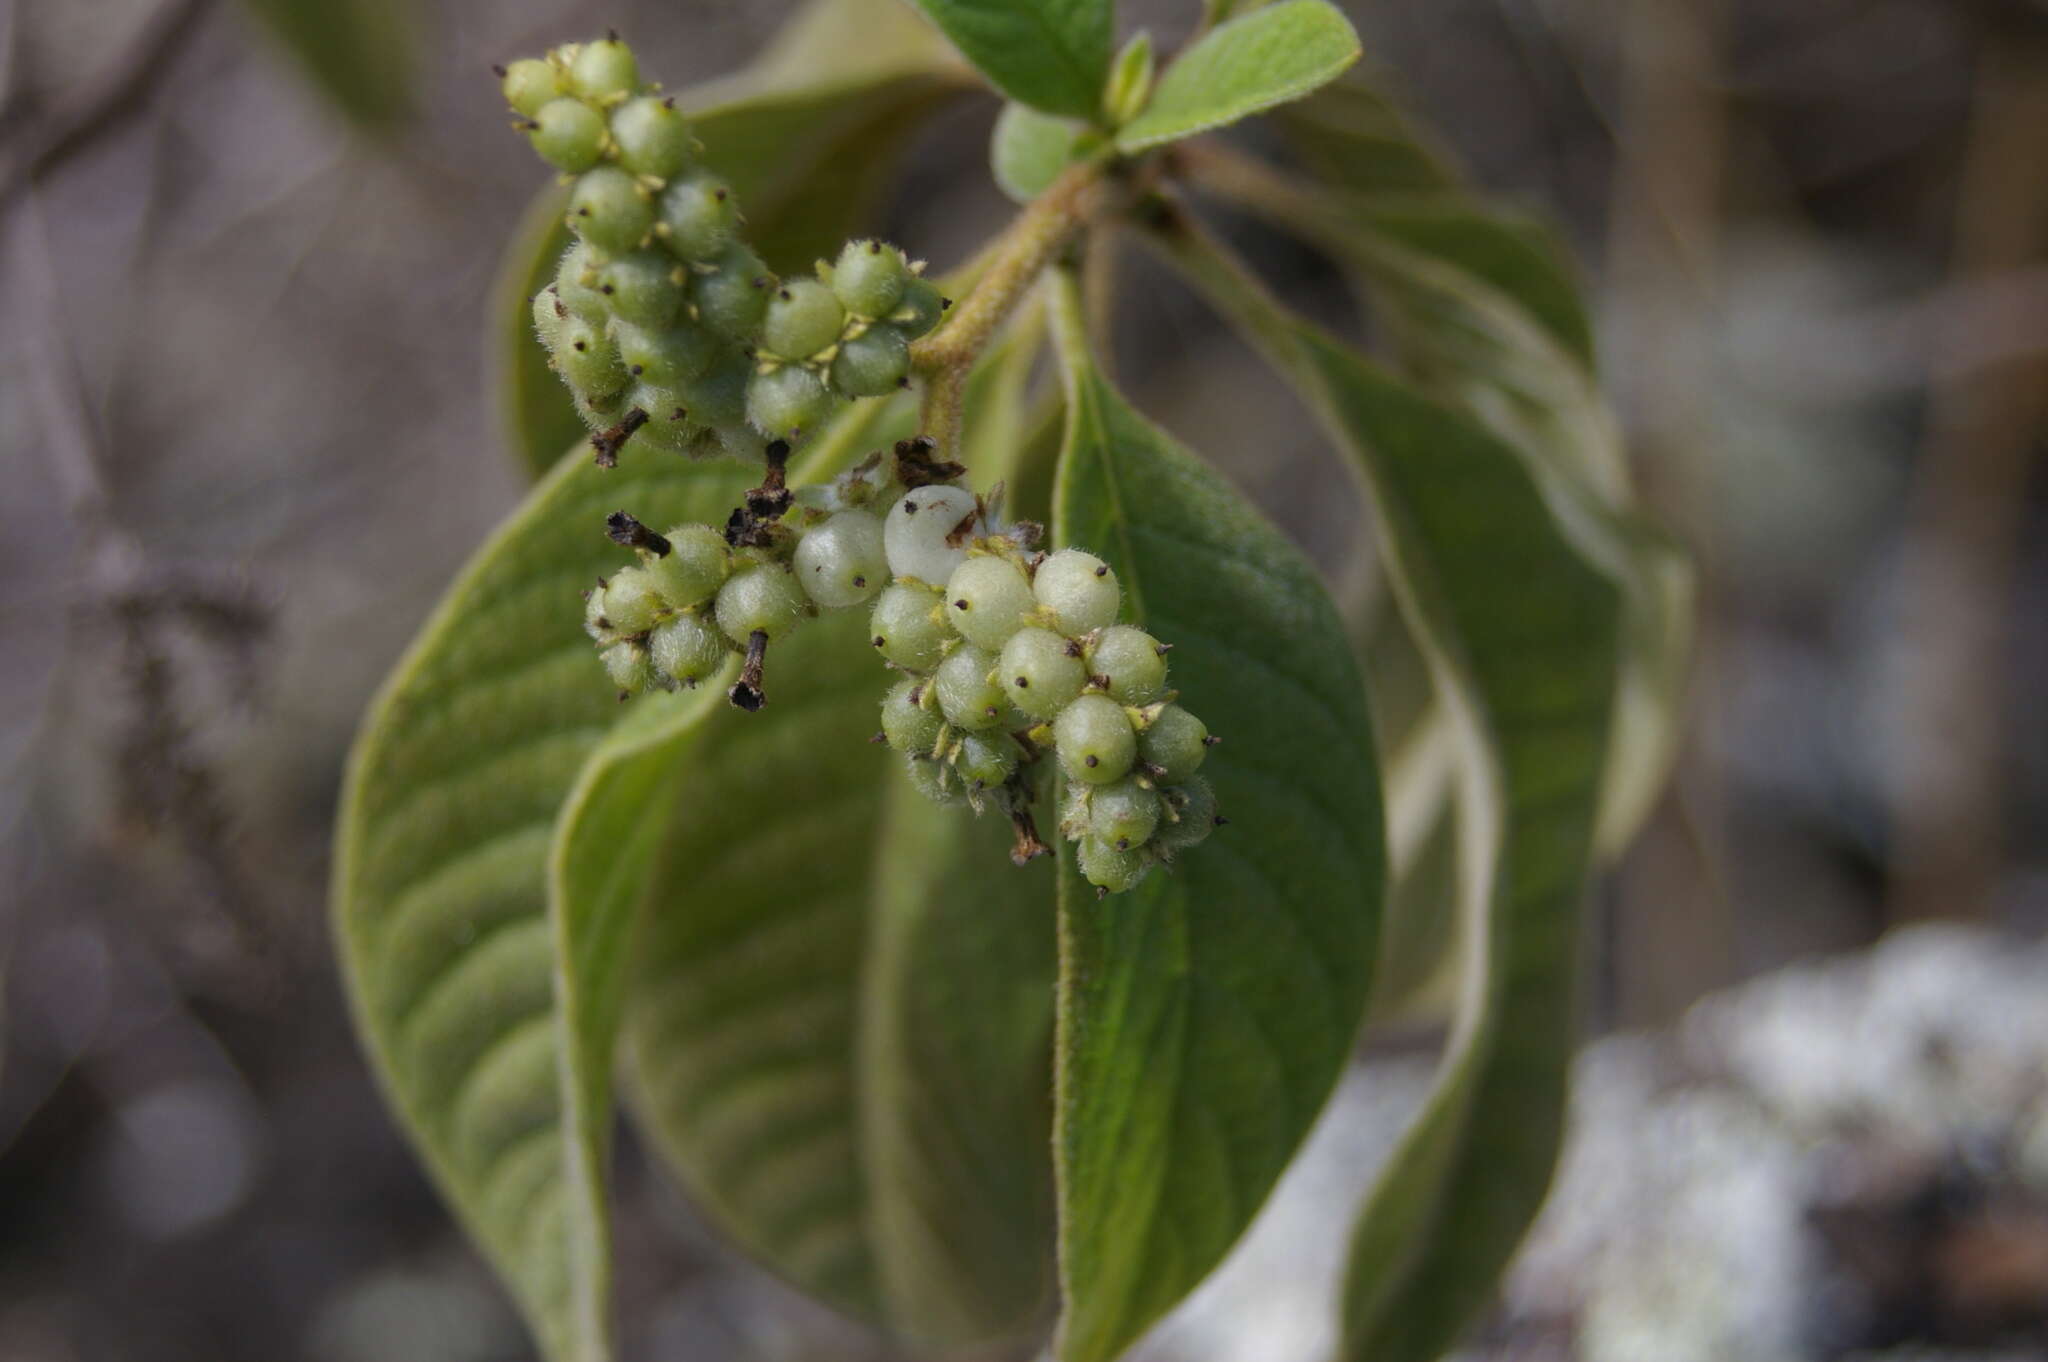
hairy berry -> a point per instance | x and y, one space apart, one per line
840 562
1193 809
926 532
631 600
653 137
910 726
920 308
694 567
665 357
732 298
967 694
1105 867
698 216
1095 741
987 759
1175 743
1131 662
1041 672
870 278
588 359
627 666
1123 814
688 650
530 85
547 317
643 288
763 599
604 70
872 364
568 134
987 599
1079 589
909 626
576 281
788 402
935 781
610 209
803 318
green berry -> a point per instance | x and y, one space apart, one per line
926 532
732 299
631 600
668 426
694 567
643 288
987 599
1041 672
788 402
967 695
1193 806
688 650
628 667
840 562
1174 744
698 216
987 759
908 724
530 85
604 70
670 356
576 281
595 623
1131 661
1105 867
762 599
872 364
803 318
921 308
934 780
588 360
547 317
909 627
568 134
1079 589
610 209
1095 741
870 278
1124 814
652 136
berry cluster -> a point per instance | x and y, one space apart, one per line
1019 654
668 328
1018 657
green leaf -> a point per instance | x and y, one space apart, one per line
1250 64
1205 1015
443 870
1029 149
536 411
359 53
1523 637
1531 671
1051 54
1354 139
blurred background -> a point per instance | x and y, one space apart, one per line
247 434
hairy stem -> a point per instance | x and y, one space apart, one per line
946 357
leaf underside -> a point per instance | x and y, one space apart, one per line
441 881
